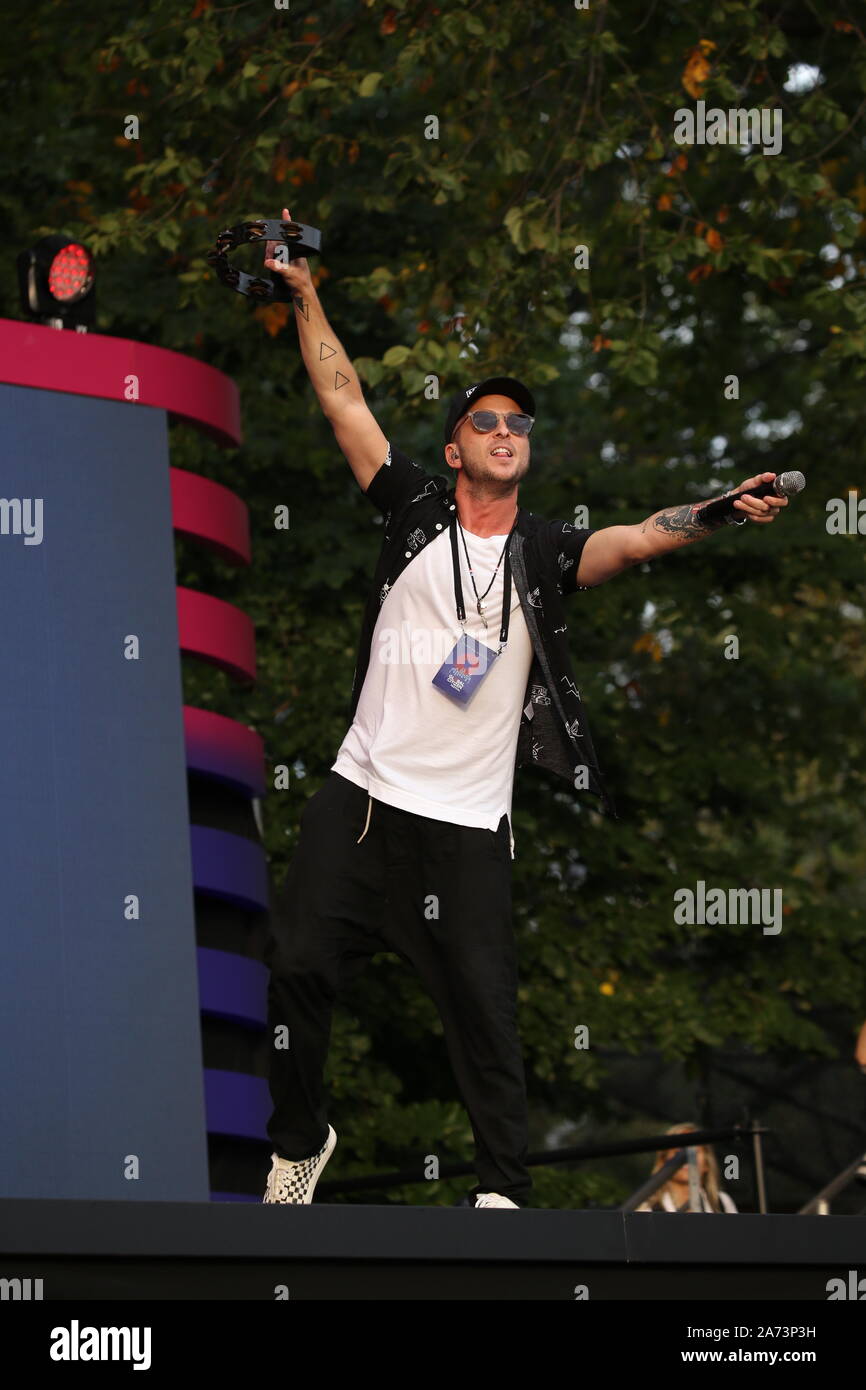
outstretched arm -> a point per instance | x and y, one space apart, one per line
334 379
615 548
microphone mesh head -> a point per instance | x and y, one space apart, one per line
789 484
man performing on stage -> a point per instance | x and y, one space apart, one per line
463 674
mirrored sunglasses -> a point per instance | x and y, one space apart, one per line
486 420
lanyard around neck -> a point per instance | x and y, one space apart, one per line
506 583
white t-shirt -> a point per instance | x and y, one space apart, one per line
409 744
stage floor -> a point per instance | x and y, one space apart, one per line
223 1250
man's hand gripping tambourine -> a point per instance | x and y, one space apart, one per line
284 240
295 273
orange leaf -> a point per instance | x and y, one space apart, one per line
389 23
722 215
648 642
353 151
303 170
200 7
279 168
664 201
714 240
599 342
700 272
273 316
697 68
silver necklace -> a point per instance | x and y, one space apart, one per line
479 600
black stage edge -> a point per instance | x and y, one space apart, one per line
83 1250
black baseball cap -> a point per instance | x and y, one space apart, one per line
492 386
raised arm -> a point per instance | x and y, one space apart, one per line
615 548
334 379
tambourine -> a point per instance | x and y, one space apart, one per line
300 239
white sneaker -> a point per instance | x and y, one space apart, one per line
295 1182
493 1199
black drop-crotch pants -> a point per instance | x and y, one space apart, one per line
368 877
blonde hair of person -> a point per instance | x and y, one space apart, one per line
709 1182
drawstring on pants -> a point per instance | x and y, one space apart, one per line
366 827
370 810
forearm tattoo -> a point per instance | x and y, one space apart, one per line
326 350
681 522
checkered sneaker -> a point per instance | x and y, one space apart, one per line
295 1182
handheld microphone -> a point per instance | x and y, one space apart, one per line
722 509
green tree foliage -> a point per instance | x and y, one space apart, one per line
459 255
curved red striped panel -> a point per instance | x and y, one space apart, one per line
210 513
216 631
94 364
222 748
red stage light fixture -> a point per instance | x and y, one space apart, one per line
57 283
